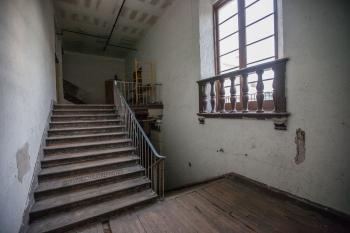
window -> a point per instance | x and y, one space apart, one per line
245 35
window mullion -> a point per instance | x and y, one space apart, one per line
242 34
242 41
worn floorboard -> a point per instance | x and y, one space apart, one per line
224 206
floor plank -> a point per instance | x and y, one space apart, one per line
225 206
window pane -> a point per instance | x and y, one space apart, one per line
260 29
229 61
227 10
227 85
268 86
252 77
261 50
261 61
252 83
228 44
268 74
229 27
258 10
248 2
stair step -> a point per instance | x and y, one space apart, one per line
72 147
85 106
65 201
84 138
83 156
89 166
62 185
84 123
84 117
85 130
57 112
68 220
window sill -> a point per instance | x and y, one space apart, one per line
280 119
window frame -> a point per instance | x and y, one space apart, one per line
242 49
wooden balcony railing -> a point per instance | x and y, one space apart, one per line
212 94
137 94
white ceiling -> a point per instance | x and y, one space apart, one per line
85 25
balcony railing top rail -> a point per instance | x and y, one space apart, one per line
149 158
218 96
248 70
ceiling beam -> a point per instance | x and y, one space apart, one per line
95 36
85 34
115 23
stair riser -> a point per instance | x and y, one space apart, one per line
82 124
50 142
100 218
77 112
49 152
82 171
46 164
85 131
85 106
90 201
79 186
77 118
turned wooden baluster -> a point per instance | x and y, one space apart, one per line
260 91
245 90
222 96
204 97
233 94
278 85
212 96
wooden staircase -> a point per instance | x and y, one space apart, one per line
90 170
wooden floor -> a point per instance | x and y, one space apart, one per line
224 205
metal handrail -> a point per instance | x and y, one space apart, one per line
150 159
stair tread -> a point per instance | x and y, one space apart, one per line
87 164
85 135
90 212
79 105
87 128
86 178
84 110
85 121
84 115
83 144
80 195
87 153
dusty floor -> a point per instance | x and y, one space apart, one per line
224 205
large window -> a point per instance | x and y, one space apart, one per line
245 35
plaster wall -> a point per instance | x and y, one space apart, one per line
27 88
89 73
315 38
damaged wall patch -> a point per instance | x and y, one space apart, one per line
23 162
300 142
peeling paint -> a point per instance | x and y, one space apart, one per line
300 142
23 162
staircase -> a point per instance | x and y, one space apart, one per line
96 163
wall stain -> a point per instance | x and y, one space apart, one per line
23 162
300 142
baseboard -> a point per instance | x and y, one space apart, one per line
302 202
34 183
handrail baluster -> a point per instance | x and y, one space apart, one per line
148 156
